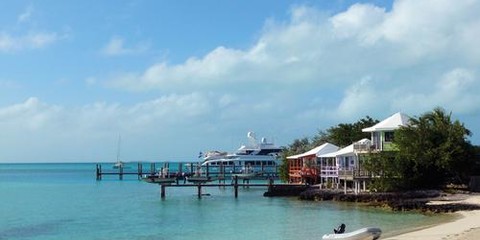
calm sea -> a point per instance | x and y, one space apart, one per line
64 201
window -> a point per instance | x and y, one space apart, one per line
389 136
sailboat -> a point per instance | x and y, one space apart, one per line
119 164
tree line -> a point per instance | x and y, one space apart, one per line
431 151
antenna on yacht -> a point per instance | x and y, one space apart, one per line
251 138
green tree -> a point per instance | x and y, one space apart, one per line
432 150
476 168
345 134
386 167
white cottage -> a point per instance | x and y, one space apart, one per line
306 164
382 132
344 165
340 165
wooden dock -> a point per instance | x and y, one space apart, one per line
184 177
183 169
199 185
140 171
122 171
272 188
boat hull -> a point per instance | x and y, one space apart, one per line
370 233
159 180
247 175
194 179
256 156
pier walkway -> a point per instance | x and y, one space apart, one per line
184 177
175 169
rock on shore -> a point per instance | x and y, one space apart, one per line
397 201
285 190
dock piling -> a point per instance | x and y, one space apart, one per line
235 186
199 190
162 191
140 171
121 172
152 169
99 172
270 184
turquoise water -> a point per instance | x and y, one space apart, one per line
64 201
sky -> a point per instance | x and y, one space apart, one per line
173 78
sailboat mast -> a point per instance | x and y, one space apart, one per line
118 147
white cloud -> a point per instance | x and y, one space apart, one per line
161 112
90 81
26 15
358 100
170 109
30 115
311 48
8 84
457 90
416 56
359 21
116 47
36 125
39 40
28 39
6 42
34 40
194 73
226 100
307 73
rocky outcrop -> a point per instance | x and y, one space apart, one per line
397 201
285 190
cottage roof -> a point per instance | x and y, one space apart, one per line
322 149
391 123
348 150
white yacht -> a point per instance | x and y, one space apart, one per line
255 157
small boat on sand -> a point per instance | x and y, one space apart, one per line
369 233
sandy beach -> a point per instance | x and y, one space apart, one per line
466 227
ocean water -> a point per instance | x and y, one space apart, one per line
64 201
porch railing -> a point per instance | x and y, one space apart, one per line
364 147
329 171
354 173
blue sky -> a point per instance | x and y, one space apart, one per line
177 77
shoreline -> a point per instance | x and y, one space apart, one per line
464 227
